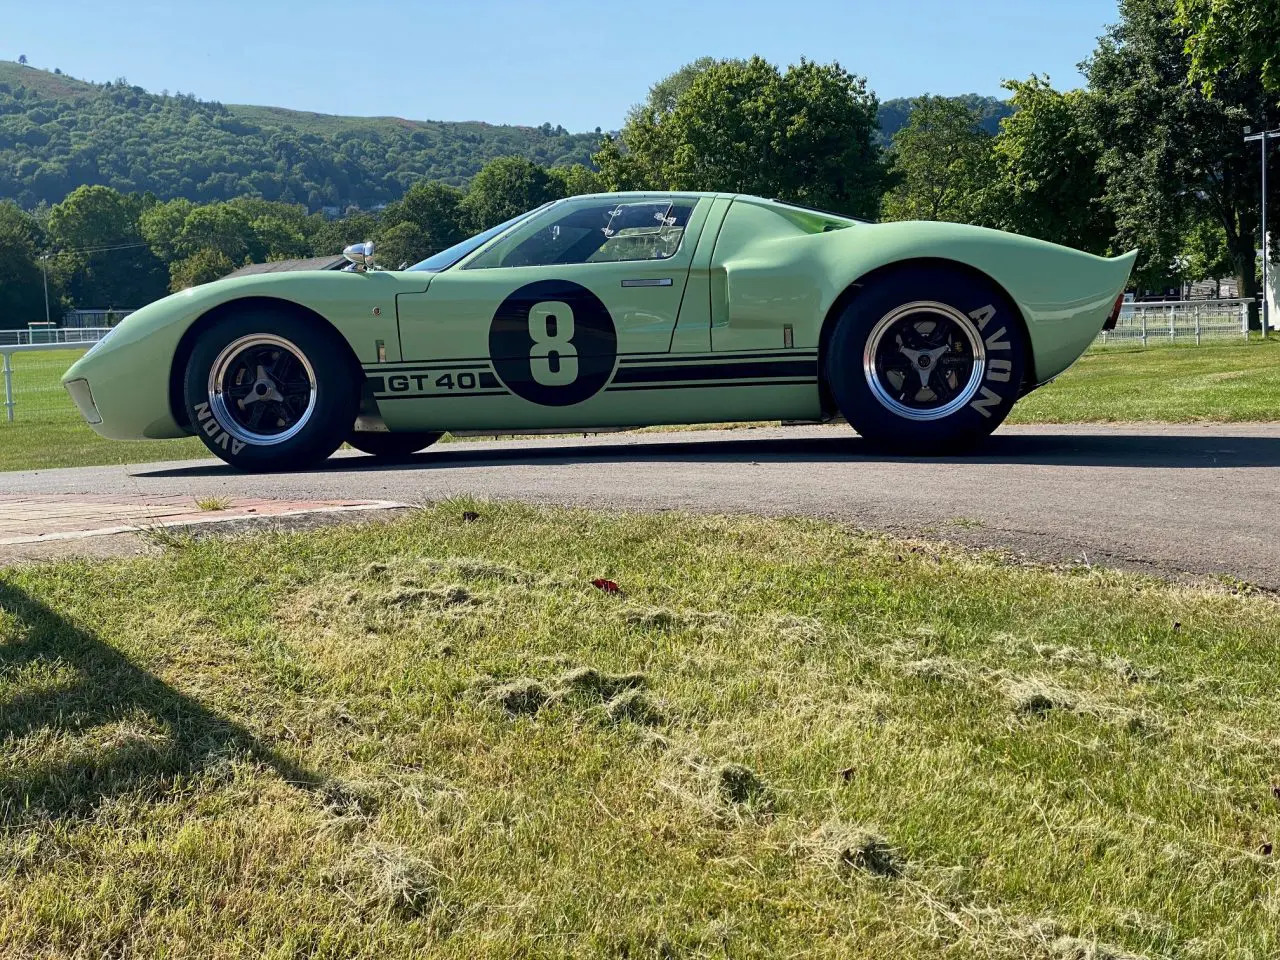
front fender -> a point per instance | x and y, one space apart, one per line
129 372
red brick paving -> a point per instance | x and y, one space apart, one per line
34 518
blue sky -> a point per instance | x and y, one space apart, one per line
580 63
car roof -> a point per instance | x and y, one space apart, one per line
642 194
706 194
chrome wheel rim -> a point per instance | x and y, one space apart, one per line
924 360
262 389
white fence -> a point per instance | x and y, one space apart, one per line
1140 324
56 335
1178 321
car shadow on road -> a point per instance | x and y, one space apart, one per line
121 728
1064 449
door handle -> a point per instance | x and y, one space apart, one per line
648 282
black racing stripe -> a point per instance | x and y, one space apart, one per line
768 369
442 396
705 386
489 382
413 367
377 384
709 357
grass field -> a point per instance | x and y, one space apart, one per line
781 738
1221 382
1214 383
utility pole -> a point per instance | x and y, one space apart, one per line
1263 138
44 268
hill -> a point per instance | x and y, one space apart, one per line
894 113
57 133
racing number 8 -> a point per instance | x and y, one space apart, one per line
553 359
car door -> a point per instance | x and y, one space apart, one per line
528 333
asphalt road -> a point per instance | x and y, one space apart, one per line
1170 499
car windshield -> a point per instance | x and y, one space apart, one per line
450 255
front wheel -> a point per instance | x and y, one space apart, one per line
928 359
270 391
391 446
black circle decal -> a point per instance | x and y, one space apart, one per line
553 343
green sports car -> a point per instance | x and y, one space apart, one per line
612 310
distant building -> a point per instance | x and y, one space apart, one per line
287 266
331 213
93 318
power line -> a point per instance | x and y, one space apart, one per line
120 246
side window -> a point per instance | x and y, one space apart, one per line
597 233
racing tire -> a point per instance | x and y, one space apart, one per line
392 447
927 360
269 391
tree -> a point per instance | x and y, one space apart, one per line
941 161
21 280
664 94
224 228
333 236
22 59
102 253
1205 254
806 135
577 180
161 227
504 188
1047 161
204 266
405 243
1170 154
434 211
1232 38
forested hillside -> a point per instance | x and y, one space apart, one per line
58 133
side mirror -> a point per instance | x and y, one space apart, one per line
360 255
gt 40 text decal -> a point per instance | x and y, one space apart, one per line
427 381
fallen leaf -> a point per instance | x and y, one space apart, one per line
608 586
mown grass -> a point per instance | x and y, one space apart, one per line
1213 383
49 432
779 738
1220 383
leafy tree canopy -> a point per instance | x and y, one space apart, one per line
806 135
21 282
1047 167
1170 155
941 163
506 188
1233 37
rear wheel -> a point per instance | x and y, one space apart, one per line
392 446
927 359
270 391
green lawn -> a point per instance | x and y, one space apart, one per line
1218 383
1221 382
47 431
783 738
